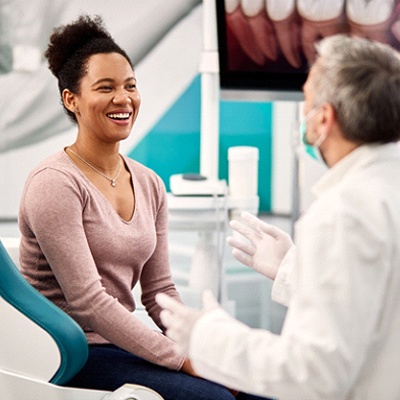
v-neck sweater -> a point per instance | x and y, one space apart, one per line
79 253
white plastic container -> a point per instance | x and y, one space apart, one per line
243 171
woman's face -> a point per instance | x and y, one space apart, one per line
108 103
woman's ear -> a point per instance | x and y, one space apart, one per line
69 100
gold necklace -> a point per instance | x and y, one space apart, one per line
112 180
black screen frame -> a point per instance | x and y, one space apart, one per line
278 79
282 85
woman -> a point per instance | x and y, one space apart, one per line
94 224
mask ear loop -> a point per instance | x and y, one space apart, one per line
321 137
305 119
320 140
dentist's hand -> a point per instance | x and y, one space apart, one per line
266 245
179 319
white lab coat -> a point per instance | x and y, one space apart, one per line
341 336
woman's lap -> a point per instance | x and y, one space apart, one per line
109 367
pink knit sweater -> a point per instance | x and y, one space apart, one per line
78 252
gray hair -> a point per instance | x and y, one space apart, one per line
360 78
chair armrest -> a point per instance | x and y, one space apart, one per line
133 392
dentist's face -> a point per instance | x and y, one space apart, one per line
314 132
308 91
309 109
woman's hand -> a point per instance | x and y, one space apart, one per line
188 368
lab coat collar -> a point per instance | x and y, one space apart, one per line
358 158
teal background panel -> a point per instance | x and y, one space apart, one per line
248 124
173 144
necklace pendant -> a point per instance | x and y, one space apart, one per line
113 184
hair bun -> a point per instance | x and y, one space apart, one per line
68 39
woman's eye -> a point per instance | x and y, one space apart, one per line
131 87
105 88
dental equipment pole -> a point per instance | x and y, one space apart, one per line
296 171
206 268
209 68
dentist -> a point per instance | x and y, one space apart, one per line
341 283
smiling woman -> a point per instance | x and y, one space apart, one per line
108 101
94 224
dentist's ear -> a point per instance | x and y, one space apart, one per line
328 118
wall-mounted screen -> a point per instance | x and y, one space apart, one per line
267 45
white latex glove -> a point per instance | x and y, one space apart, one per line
266 245
179 319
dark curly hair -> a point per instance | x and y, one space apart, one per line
71 46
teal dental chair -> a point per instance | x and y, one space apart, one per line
41 347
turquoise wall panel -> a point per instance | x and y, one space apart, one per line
248 124
173 145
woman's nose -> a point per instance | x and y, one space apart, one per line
122 98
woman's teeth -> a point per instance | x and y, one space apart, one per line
119 116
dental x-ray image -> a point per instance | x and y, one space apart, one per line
269 44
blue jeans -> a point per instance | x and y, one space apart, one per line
109 367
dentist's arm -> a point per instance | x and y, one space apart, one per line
180 320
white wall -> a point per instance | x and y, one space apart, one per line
15 166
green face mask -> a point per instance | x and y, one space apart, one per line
311 149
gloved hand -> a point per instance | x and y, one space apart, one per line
266 245
179 319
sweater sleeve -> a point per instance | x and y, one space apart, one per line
156 275
51 216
